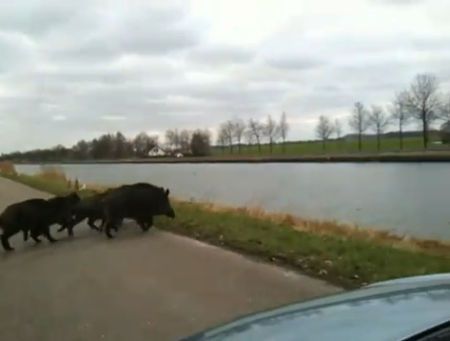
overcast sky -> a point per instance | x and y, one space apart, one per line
76 69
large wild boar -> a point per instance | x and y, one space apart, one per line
35 216
140 202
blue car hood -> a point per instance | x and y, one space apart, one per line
391 310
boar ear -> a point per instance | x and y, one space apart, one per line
167 192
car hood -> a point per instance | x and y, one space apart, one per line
385 311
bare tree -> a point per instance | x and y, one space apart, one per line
249 138
271 131
238 132
422 101
400 114
378 121
173 138
337 128
221 138
444 114
358 121
284 129
444 110
256 130
142 144
324 130
185 141
227 129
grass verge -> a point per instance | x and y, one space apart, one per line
56 186
333 147
333 254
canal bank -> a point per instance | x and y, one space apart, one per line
341 256
416 156
406 199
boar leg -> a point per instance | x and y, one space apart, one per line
102 225
46 233
75 221
25 234
35 237
141 224
91 223
68 227
5 239
108 231
146 224
108 226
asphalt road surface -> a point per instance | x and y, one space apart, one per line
154 286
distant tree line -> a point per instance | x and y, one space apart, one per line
232 134
421 102
117 146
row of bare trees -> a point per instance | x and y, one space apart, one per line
421 102
178 140
361 120
232 133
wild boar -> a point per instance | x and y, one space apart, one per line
35 216
140 202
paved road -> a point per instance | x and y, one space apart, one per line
154 286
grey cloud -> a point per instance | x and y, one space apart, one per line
436 43
150 40
328 88
235 92
320 101
35 17
16 51
220 55
295 63
156 31
309 50
143 71
145 30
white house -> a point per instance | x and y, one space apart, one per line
157 151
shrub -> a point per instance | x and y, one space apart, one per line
201 143
52 173
7 168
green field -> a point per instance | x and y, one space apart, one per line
388 144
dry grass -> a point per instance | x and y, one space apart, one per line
7 168
52 173
333 228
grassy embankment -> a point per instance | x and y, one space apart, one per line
333 147
341 254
